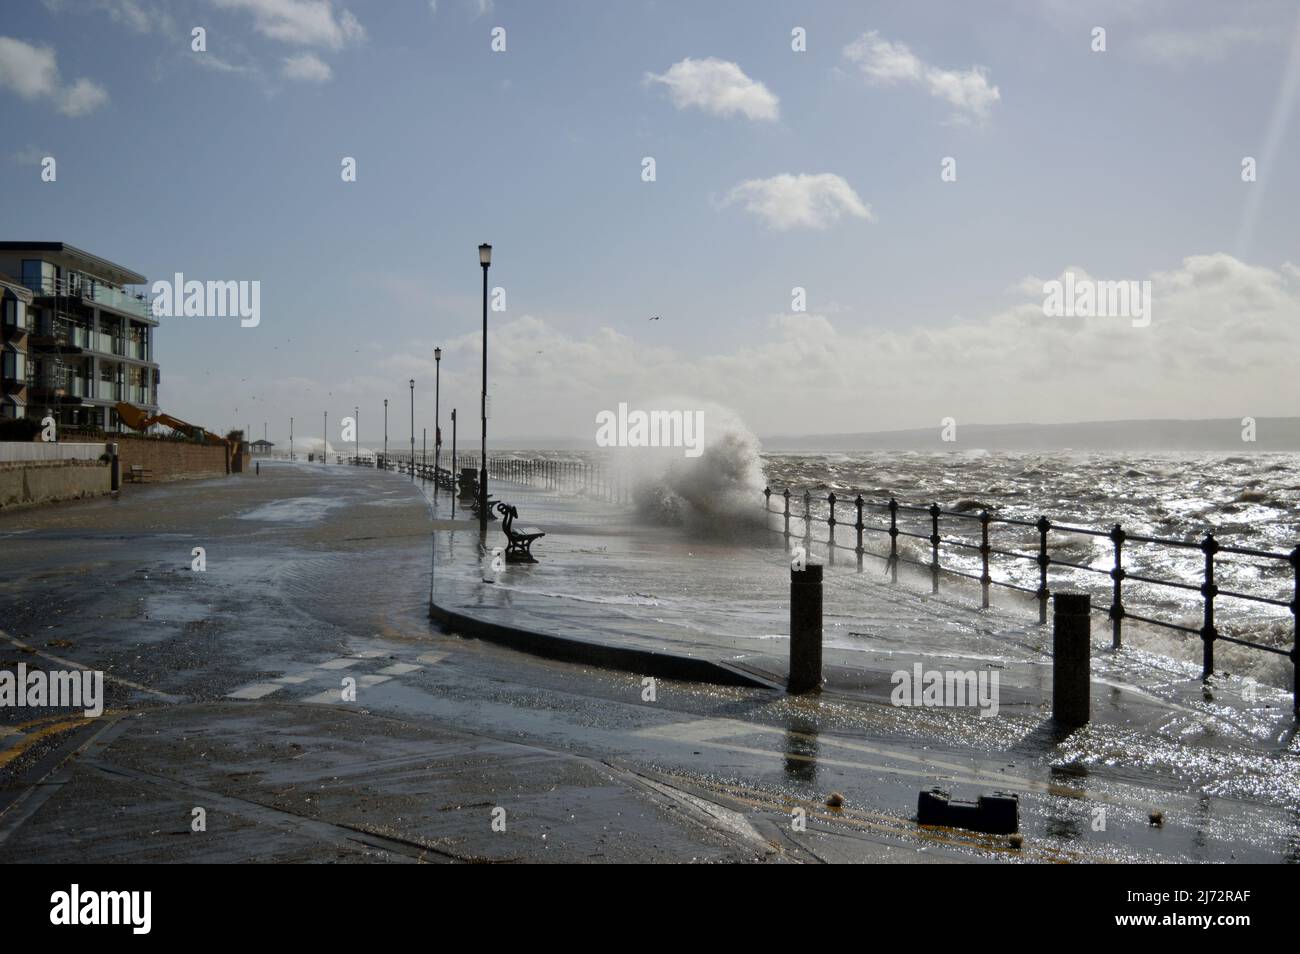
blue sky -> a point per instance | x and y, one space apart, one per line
1123 164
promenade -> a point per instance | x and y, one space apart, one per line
227 692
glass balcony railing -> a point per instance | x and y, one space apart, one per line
108 344
130 302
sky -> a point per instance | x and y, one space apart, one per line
920 170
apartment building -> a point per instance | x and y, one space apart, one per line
79 340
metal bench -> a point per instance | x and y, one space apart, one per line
520 548
491 503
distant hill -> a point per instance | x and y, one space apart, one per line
1271 434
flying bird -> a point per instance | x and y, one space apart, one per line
654 318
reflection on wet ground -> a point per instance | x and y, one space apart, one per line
229 686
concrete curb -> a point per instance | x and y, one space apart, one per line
641 662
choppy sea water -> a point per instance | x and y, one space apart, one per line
1248 501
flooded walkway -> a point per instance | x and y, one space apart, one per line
297 692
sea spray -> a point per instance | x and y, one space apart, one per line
718 492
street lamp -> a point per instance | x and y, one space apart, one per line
385 433
291 438
356 430
484 259
412 428
325 439
437 417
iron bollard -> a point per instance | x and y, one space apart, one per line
115 468
805 629
1071 658
257 469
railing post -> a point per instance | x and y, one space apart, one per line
858 526
985 577
1117 537
1295 634
830 547
805 629
1071 659
893 540
1043 526
934 548
1209 546
787 518
807 519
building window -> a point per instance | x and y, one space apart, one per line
38 275
15 366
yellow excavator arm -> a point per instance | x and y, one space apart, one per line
136 419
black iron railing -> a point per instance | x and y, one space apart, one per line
577 476
1209 589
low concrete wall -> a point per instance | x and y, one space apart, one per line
11 451
36 482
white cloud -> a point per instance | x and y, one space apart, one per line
718 87
138 15
32 156
30 71
886 62
1177 47
1221 344
800 201
305 22
211 61
307 68
82 97
33 73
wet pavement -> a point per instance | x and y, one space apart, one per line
297 693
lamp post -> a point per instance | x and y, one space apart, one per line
437 416
385 433
412 428
325 439
356 430
291 438
484 259
455 474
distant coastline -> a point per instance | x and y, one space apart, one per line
1272 434
1218 435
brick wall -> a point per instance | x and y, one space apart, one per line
171 460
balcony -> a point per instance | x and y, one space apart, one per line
137 305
